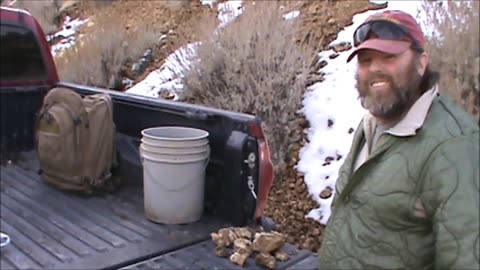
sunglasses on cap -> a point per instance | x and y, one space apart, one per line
383 30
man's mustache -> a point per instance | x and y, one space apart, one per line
378 76
362 87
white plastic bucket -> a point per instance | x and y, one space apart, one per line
174 161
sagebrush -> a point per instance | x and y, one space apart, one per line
99 54
46 12
254 65
454 50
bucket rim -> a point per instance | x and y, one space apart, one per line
146 156
206 150
150 143
145 134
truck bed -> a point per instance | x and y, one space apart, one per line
52 229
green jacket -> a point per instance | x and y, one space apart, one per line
414 203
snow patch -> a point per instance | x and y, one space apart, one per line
69 28
208 2
228 11
168 76
291 15
333 111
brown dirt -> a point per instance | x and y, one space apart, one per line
289 201
322 20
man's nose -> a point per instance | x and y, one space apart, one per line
376 65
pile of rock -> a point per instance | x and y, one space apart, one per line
267 246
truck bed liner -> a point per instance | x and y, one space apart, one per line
52 229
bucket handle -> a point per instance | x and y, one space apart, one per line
207 160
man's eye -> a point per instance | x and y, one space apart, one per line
390 56
364 60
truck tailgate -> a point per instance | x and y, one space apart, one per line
56 230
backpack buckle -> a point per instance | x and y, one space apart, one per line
77 121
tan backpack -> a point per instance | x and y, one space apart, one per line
75 140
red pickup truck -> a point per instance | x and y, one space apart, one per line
51 229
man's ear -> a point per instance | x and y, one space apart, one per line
422 63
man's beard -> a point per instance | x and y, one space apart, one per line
394 103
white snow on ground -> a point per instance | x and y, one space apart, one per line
291 15
70 27
336 99
228 11
208 2
168 76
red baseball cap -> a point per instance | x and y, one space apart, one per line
405 21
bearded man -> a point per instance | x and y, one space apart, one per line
407 196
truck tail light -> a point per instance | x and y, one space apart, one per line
266 172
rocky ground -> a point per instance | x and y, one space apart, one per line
289 200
